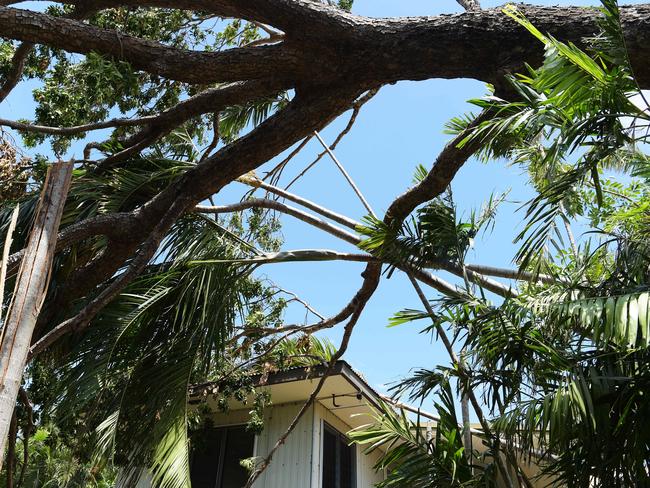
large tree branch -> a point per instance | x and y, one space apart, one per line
481 44
149 56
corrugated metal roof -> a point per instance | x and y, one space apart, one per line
298 373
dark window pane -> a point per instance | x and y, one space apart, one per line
347 464
338 460
239 444
206 447
329 458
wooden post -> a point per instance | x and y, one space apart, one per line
29 293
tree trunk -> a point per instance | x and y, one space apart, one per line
31 286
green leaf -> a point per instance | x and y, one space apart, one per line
621 320
633 321
643 302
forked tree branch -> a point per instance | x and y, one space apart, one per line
152 57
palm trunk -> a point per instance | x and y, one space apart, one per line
31 286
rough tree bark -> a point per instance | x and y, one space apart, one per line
31 285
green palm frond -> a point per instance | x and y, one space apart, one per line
412 455
166 331
573 107
590 427
236 118
435 234
622 320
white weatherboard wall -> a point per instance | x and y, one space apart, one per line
291 465
297 464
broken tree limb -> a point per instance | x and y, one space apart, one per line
29 293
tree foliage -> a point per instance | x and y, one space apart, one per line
204 95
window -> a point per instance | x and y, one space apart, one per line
216 455
338 460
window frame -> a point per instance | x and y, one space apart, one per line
341 438
220 457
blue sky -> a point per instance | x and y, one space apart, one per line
397 130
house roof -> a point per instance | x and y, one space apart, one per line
345 392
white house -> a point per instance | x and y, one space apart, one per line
315 455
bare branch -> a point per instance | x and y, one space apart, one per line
356 108
281 207
513 274
255 182
302 255
68 131
346 175
296 298
475 277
